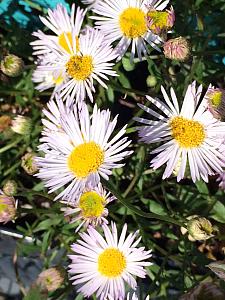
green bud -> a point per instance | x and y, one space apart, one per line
21 125
127 64
151 81
12 65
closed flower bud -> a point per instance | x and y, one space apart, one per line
10 188
151 81
205 291
177 49
28 163
21 125
7 209
127 64
200 228
51 279
12 65
216 102
5 122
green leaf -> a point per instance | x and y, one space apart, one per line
157 208
202 187
218 212
44 225
35 294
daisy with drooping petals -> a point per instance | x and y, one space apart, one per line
191 135
127 21
81 152
89 60
103 265
90 208
65 27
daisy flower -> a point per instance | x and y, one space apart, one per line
90 208
82 151
90 59
65 27
190 134
103 265
132 22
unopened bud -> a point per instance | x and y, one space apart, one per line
151 81
5 122
177 49
28 163
200 228
12 65
127 64
51 279
205 291
216 102
21 125
10 188
7 209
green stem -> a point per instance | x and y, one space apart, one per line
9 146
139 212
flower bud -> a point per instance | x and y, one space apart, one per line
127 64
7 209
10 188
200 228
5 122
151 81
12 65
216 102
205 291
28 163
51 279
177 49
21 125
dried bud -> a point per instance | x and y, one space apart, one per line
216 102
200 228
5 122
28 163
21 125
151 81
12 65
205 291
51 279
10 188
7 209
177 49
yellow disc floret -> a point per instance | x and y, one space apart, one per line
63 41
85 159
80 67
111 263
187 133
132 22
216 98
91 204
157 19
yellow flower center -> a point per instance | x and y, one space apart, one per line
132 22
91 204
3 207
158 19
57 80
63 41
187 133
85 159
216 98
80 67
111 263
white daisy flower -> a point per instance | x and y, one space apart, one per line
128 21
65 27
81 152
103 265
89 60
191 134
90 208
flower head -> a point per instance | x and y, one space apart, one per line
7 208
90 208
216 101
177 49
12 65
191 134
21 125
128 21
10 188
28 163
51 279
80 151
103 265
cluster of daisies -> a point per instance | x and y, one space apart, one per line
79 148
